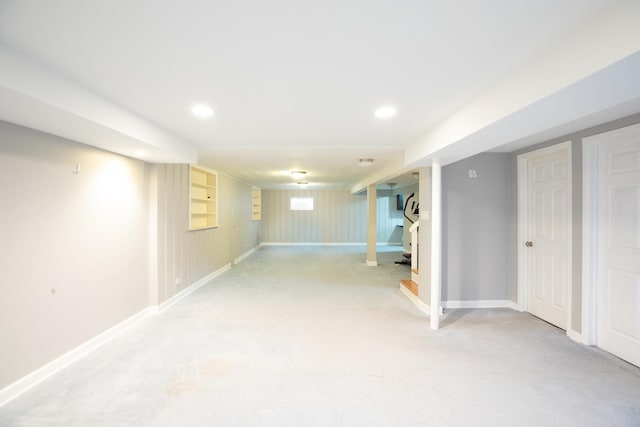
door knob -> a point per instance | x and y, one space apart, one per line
528 244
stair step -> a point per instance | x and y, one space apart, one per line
410 285
415 270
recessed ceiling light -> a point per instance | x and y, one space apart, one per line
385 112
202 110
298 174
365 163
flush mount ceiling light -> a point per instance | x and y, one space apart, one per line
385 112
298 174
302 183
365 163
202 110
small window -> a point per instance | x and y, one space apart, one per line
302 203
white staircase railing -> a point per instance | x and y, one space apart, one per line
414 251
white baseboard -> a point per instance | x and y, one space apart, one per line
422 306
576 336
459 304
25 383
310 244
245 255
513 305
480 304
327 244
414 299
185 292
372 263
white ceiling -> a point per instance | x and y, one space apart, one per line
293 83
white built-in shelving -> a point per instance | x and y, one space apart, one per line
203 205
256 212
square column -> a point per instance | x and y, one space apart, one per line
371 226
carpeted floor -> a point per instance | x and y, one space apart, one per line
310 336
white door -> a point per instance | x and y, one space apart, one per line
618 265
548 235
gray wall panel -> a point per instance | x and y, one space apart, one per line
476 228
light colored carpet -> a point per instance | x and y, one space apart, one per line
310 336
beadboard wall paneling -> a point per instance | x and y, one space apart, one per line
338 217
184 256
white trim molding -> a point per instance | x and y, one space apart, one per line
34 378
245 255
481 304
589 239
590 226
189 290
522 160
417 301
575 336
436 241
328 244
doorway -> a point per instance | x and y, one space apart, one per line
611 226
544 234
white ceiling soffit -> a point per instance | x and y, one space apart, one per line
327 167
584 80
609 94
32 96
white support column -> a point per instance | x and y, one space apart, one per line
371 226
436 242
423 246
153 235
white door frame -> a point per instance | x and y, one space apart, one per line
522 302
590 205
589 240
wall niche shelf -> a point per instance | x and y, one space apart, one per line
203 205
256 200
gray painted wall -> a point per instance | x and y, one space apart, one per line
110 241
475 230
338 217
73 250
